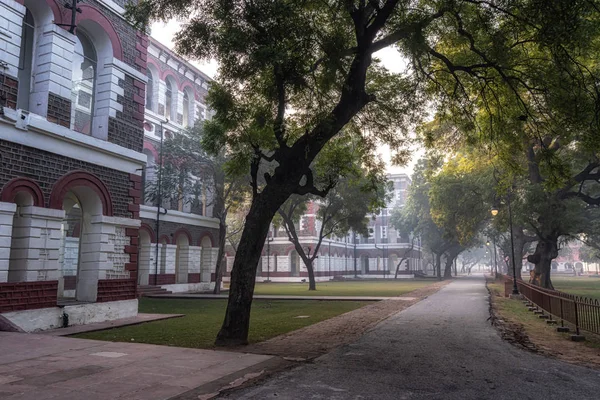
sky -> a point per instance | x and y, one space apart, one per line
390 58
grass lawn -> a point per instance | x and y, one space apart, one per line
345 288
579 286
203 319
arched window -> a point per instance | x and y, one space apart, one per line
168 99
84 84
25 61
149 91
186 109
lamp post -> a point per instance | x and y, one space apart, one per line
512 243
269 240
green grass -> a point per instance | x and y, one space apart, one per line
203 319
345 288
580 286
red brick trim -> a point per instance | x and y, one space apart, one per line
194 278
91 13
17 185
135 193
161 279
27 295
116 289
80 178
150 231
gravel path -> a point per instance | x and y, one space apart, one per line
441 348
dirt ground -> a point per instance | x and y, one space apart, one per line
535 335
315 340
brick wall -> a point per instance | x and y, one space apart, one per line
161 279
9 88
59 110
195 278
169 228
127 128
27 295
116 289
46 168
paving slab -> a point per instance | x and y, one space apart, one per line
280 297
35 367
117 323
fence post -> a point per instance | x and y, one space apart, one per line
562 322
576 318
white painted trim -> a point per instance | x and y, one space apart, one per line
179 217
20 8
44 135
126 69
8 208
114 7
119 221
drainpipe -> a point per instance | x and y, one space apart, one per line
159 198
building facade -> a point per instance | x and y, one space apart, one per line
354 256
76 139
186 254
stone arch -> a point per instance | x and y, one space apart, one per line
203 242
164 239
17 186
149 231
185 232
90 14
81 179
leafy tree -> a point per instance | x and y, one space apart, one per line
343 209
541 124
296 74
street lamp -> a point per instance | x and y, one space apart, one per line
269 240
494 210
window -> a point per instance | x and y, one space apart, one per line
384 232
84 84
371 233
25 61
168 99
149 91
186 110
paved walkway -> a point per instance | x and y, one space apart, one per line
116 323
40 367
280 297
440 348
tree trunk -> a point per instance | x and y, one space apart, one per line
234 330
438 265
218 268
312 284
448 267
545 251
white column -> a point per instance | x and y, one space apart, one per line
7 211
52 69
11 23
167 261
283 263
146 262
107 92
209 262
195 259
36 244
183 258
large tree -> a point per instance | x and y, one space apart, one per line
295 74
344 209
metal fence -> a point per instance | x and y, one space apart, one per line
582 312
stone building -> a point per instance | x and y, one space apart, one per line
76 138
185 257
372 256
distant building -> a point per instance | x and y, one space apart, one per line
372 256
